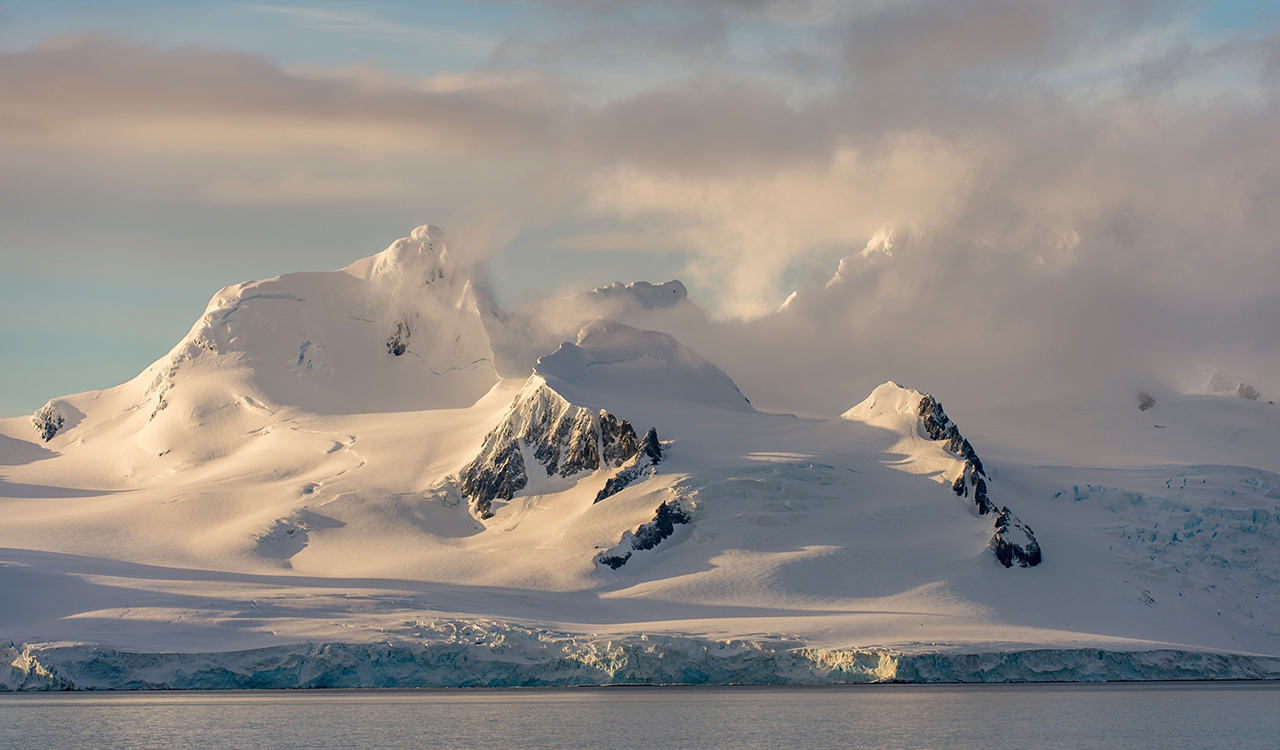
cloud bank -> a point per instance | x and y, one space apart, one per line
1083 194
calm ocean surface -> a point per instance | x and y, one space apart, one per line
1165 716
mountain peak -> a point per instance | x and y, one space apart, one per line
424 253
525 334
611 361
641 293
881 247
887 398
1222 385
398 330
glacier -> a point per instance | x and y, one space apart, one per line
479 654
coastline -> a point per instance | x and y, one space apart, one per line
636 660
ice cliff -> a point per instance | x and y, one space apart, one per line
495 654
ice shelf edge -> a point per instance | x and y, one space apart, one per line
629 660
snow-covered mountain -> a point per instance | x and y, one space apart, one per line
881 247
1220 384
562 420
334 459
522 336
398 331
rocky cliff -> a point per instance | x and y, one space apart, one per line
562 438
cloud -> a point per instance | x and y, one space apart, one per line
373 26
1097 181
85 115
596 37
358 22
94 92
928 41
749 228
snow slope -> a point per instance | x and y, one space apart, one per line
306 514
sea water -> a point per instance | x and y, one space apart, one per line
1162 715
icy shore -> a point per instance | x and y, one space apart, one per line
518 657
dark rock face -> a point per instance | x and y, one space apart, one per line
648 536
651 447
1145 401
48 420
501 476
938 426
1013 541
398 343
566 439
980 498
642 463
617 439
662 526
614 561
568 443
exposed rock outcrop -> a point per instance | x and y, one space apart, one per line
648 535
564 438
398 342
48 420
617 438
938 426
643 463
498 472
1013 542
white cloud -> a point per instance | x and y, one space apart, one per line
1079 234
371 25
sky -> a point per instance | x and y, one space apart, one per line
1084 195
